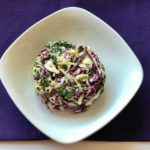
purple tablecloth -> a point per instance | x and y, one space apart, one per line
131 18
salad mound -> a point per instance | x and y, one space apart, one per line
68 76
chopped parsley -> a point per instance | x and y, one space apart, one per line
45 82
65 93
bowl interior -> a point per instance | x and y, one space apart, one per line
123 71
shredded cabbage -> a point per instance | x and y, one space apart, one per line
68 76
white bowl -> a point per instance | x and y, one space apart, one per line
123 70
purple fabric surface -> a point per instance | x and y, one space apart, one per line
131 18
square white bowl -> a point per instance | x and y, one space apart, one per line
123 70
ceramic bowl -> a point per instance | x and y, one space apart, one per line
123 70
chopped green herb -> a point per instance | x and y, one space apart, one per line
67 45
102 82
56 46
36 74
36 71
47 95
102 66
39 88
45 82
64 93
56 49
54 59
